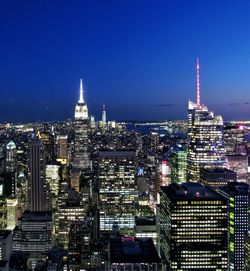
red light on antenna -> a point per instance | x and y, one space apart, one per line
198 83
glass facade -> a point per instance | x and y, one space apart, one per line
205 141
238 226
193 228
179 165
117 191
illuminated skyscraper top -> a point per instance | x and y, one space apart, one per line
81 110
205 137
81 154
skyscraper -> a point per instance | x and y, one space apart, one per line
52 185
12 212
81 155
217 177
237 194
205 138
104 117
33 233
5 245
233 135
193 228
62 149
79 248
11 157
36 176
179 164
117 190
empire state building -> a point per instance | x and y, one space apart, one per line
81 155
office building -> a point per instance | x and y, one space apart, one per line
104 118
126 254
12 212
81 144
75 174
8 184
47 139
238 201
79 248
52 184
233 135
193 228
117 190
239 164
179 164
165 173
68 212
33 233
11 157
217 177
62 149
146 227
36 176
5 245
92 122
247 252
205 138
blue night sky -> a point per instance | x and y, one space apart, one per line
137 57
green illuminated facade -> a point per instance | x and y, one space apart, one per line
179 165
237 194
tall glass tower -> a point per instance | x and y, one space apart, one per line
205 138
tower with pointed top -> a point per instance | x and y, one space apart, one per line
81 155
104 117
81 110
205 137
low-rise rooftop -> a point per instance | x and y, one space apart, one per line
133 250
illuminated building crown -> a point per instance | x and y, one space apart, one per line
81 109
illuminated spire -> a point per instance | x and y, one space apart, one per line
81 101
104 116
198 101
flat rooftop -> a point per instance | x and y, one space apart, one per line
119 153
191 191
36 216
3 264
4 233
145 221
133 250
237 188
217 170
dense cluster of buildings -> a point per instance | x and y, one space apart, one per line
94 195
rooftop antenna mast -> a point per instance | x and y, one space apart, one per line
198 101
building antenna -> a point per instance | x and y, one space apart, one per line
198 101
81 93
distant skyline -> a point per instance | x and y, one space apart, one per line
136 57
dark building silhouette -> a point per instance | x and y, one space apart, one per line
36 176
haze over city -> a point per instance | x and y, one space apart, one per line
137 57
